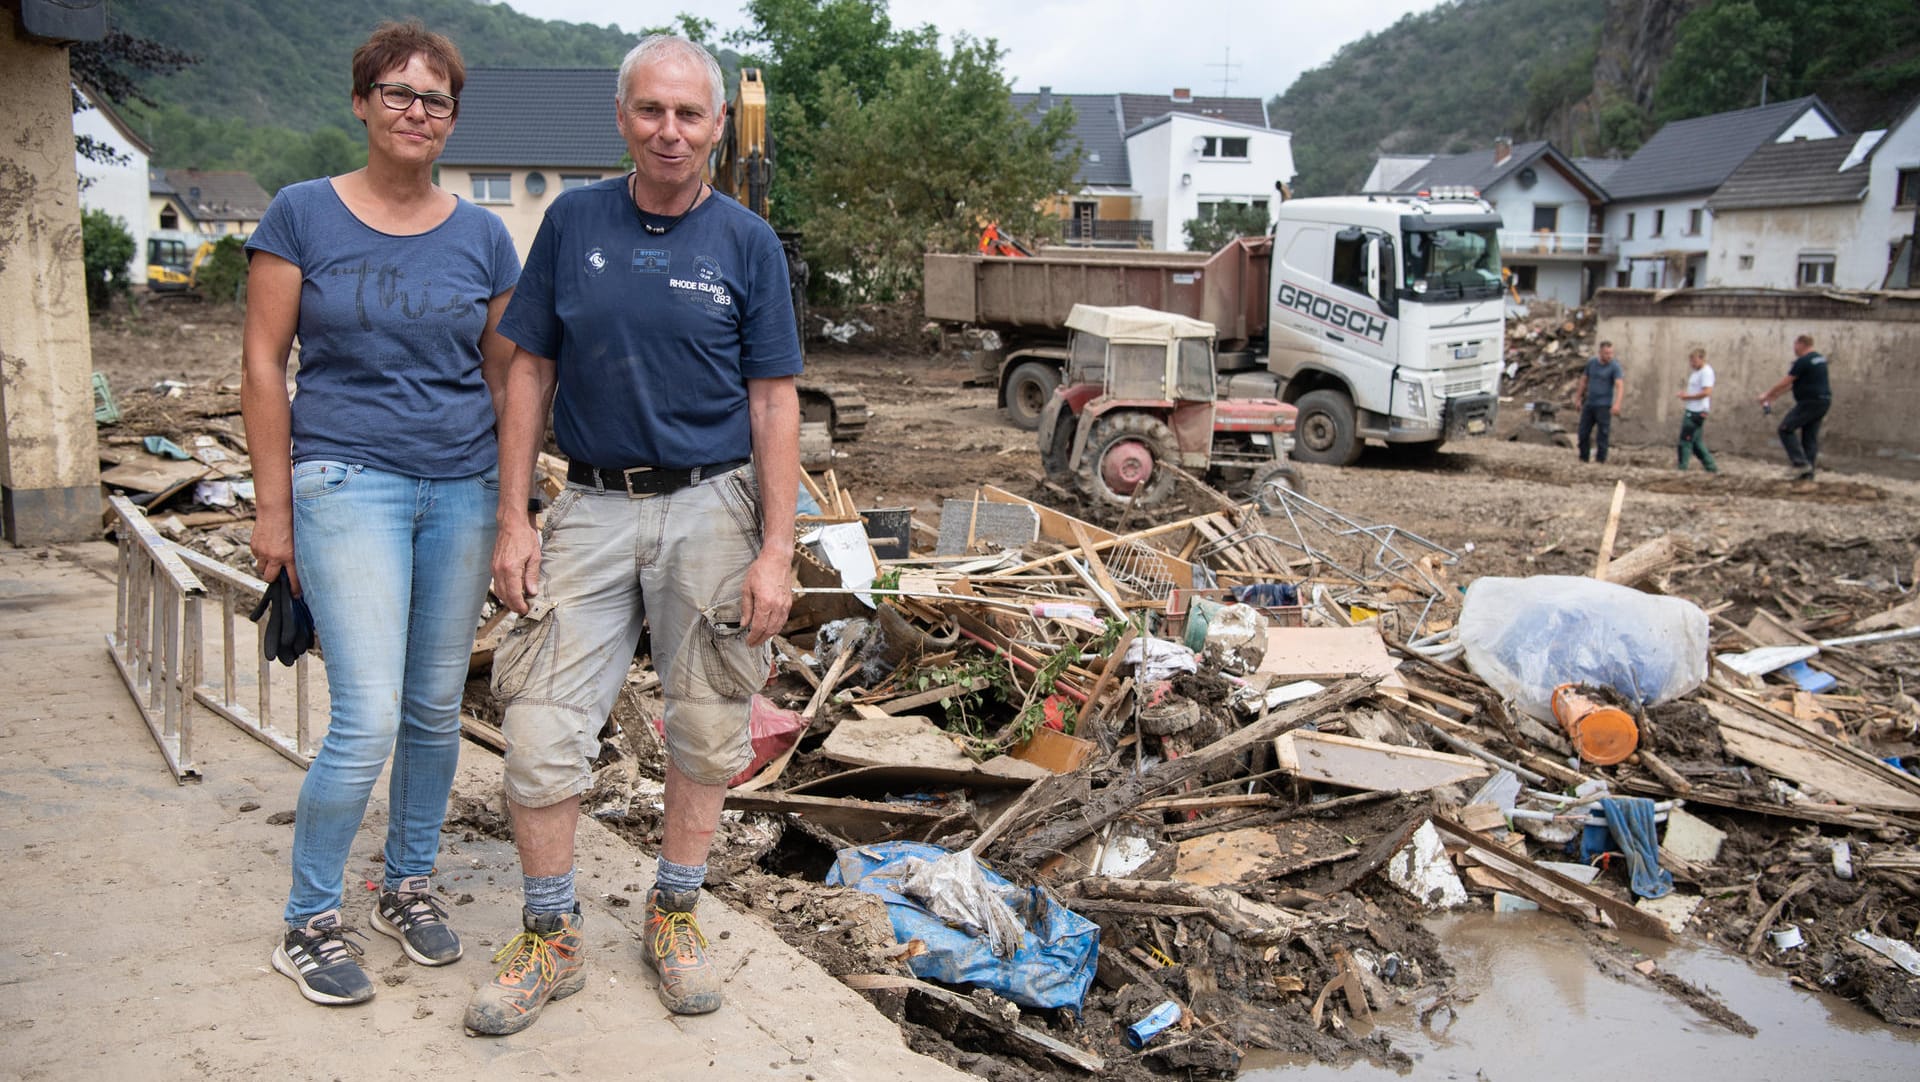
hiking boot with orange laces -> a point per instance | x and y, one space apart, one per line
677 950
545 962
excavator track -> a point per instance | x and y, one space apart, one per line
842 409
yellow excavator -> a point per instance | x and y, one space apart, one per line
174 259
742 167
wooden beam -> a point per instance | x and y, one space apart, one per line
1021 1034
1613 526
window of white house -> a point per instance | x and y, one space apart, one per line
1630 225
1906 190
1659 223
1223 146
1746 262
570 181
1210 208
1693 221
1526 278
1816 270
492 188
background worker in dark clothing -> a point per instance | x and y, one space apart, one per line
1812 395
1602 386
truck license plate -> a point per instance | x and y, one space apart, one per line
1476 426
1466 353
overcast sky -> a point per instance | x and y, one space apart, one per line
1139 46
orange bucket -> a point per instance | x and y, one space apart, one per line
1603 735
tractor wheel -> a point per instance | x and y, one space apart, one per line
1030 387
1282 476
1123 457
1323 430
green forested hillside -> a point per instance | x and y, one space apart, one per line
284 62
1441 82
1595 76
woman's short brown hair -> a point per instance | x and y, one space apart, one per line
394 43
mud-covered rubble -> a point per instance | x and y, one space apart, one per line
1237 805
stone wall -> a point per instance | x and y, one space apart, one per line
1872 342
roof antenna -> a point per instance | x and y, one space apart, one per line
1227 68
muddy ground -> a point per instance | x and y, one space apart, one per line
1843 545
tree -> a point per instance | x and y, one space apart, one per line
222 278
918 165
1211 231
1862 56
115 68
107 255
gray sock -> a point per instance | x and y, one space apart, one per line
679 878
548 893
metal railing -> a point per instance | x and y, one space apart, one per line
1545 243
158 647
1107 231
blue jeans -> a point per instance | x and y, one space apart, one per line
395 570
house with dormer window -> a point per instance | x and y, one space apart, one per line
1151 163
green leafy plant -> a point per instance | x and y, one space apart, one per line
108 257
223 277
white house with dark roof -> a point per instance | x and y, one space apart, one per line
1659 221
527 134
1822 213
1150 163
1550 209
214 202
120 187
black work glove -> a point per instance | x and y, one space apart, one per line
289 624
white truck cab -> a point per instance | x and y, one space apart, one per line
1386 320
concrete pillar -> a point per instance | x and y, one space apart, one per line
49 455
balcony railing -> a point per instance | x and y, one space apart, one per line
1118 231
1515 242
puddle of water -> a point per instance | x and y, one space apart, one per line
1544 1011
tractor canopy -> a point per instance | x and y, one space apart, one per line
1141 354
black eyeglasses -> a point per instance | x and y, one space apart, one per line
400 97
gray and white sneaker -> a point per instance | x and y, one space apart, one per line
320 958
416 918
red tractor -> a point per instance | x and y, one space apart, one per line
1140 393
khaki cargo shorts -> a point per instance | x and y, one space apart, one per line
608 562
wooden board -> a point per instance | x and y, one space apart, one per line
151 473
1799 757
910 741
1371 765
1244 856
1317 653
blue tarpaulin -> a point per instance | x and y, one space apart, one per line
1055 961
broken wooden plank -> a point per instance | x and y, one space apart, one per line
1370 764
1612 529
1020 1033
1320 653
1807 758
832 809
1534 880
1228 910
1122 797
1240 856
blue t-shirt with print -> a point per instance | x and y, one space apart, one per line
1600 379
390 333
654 336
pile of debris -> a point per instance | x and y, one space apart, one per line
1063 799
1547 349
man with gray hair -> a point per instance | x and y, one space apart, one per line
654 316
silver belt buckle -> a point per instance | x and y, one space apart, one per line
626 479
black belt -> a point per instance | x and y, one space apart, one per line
642 481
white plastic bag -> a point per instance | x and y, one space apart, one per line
955 891
1525 637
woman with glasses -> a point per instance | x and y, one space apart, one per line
376 486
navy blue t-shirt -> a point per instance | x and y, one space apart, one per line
654 336
1600 378
390 333
1809 374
